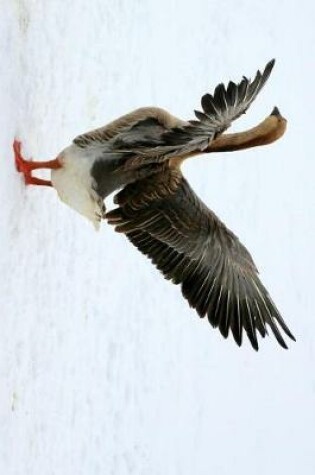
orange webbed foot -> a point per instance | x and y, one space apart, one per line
27 166
20 162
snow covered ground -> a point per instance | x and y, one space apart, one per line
104 368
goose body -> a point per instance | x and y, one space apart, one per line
140 154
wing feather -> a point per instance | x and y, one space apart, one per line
219 110
152 135
168 223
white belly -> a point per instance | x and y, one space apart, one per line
73 183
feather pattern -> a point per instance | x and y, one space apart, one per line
152 135
219 110
168 223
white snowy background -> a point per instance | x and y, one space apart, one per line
104 369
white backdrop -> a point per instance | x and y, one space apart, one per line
104 368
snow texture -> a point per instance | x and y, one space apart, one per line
104 368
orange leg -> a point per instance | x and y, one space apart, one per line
27 166
33 180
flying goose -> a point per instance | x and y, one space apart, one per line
140 154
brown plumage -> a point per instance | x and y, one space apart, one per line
141 154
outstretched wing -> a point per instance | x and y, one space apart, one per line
152 135
219 110
166 221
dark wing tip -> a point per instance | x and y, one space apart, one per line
289 334
267 71
268 68
254 344
282 343
270 64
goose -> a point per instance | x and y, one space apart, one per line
139 157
